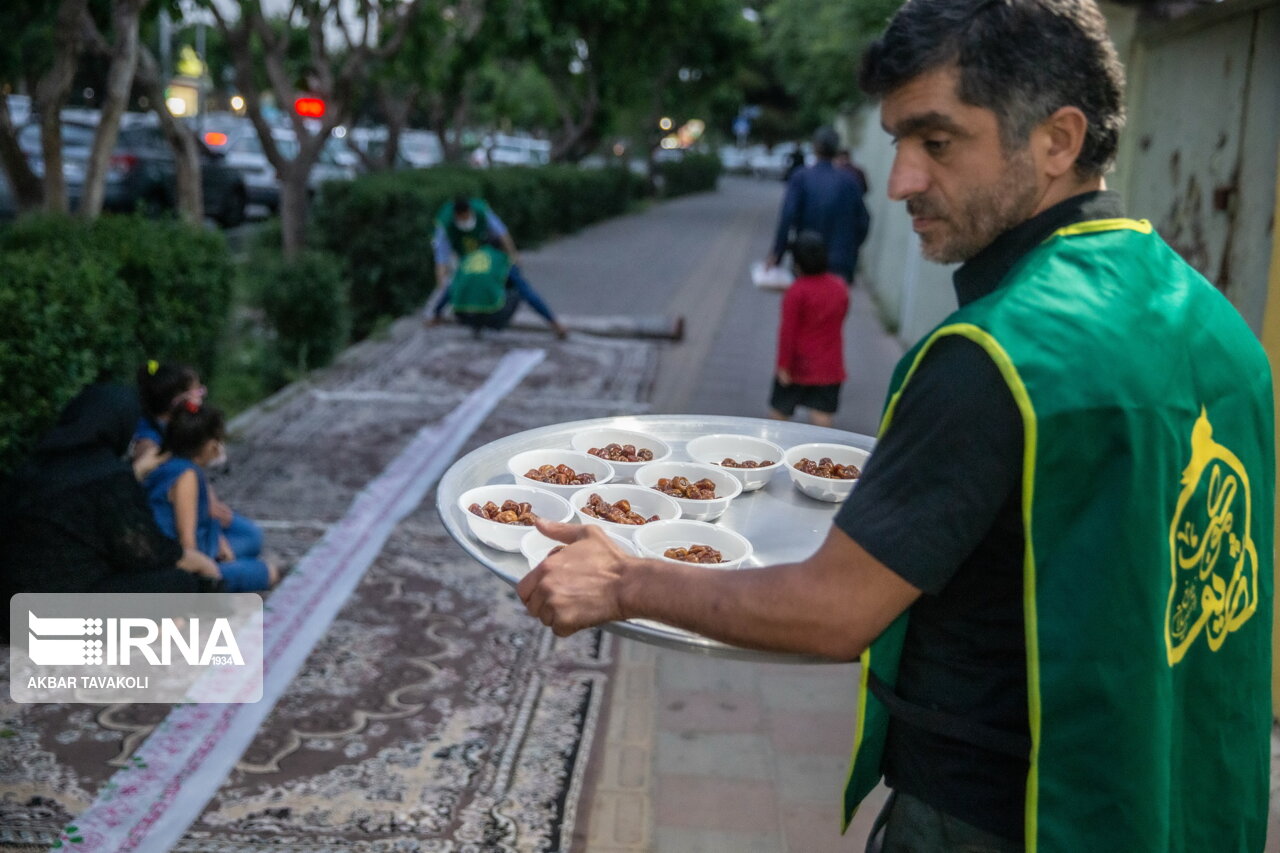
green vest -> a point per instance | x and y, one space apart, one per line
462 242
1147 502
480 284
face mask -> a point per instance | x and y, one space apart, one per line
221 459
465 224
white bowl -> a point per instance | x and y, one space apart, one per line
644 501
536 547
824 488
655 538
728 486
506 537
713 449
602 436
582 463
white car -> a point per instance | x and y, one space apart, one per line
505 150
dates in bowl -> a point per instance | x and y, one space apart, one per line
831 463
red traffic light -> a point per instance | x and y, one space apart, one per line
309 107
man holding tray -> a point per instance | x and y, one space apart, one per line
1057 565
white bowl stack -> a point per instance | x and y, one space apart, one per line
506 537
582 463
714 449
656 537
824 488
644 501
728 486
603 436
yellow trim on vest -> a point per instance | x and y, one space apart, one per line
858 729
1030 426
1096 226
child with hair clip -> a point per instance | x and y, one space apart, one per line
162 388
178 491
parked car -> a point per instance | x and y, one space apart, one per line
237 140
505 150
326 167
142 171
418 149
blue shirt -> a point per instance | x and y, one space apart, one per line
157 486
149 430
828 200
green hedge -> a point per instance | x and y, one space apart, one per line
381 224
693 173
305 303
81 302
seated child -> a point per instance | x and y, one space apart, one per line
162 387
179 495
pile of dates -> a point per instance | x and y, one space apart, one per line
680 487
733 463
694 554
824 467
510 512
559 475
622 453
618 513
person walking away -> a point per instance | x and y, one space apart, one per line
810 363
178 492
463 226
828 200
1056 567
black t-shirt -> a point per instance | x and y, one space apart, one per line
939 503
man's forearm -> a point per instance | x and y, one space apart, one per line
782 608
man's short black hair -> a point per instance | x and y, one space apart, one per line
809 251
1021 59
461 205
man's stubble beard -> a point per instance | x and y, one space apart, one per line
985 213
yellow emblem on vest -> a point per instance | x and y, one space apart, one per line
477 263
1212 555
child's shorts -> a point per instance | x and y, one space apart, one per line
819 398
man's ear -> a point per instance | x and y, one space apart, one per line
1059 139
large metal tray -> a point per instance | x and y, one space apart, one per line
782 524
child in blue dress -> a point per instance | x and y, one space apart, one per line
162 388
178 492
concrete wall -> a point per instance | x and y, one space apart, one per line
1198 158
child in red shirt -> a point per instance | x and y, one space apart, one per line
810 344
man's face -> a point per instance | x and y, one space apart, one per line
465 221
961 187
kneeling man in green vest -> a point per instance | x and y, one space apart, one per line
487 285
1057 565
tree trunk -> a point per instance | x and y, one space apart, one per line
186 153
51 94
27 191
293 207
124 59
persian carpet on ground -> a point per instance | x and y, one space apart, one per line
432 714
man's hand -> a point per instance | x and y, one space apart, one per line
784 377
770 261
578 587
